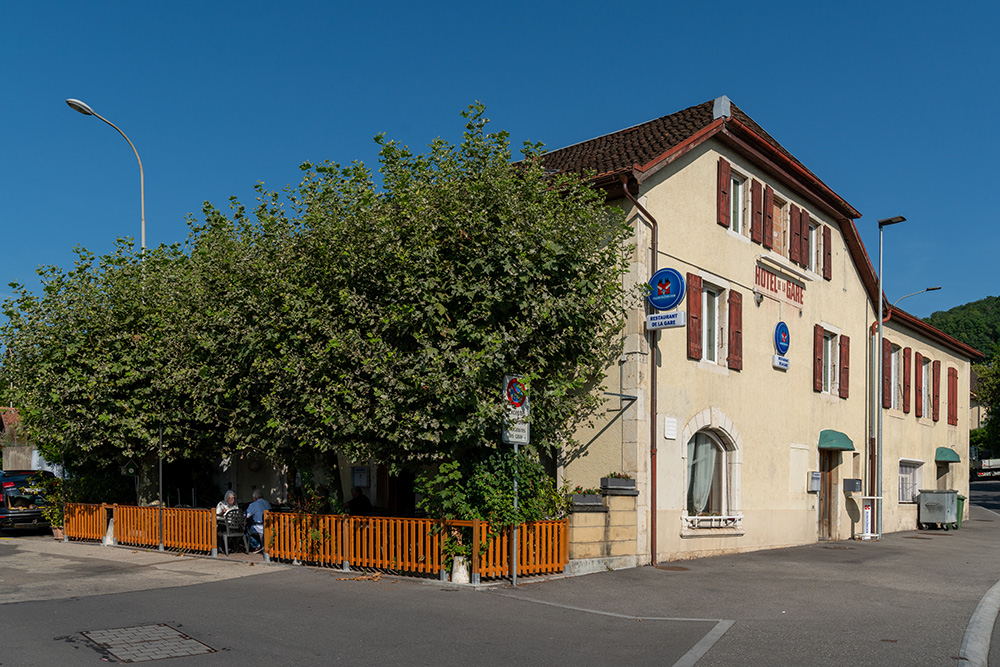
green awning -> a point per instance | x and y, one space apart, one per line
830 439
945 455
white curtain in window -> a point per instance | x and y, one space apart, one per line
701 470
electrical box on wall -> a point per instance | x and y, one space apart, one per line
814 481
852 485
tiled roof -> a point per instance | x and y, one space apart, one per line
10 418
641 144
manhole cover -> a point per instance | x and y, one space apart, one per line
840 548
672 568
144 643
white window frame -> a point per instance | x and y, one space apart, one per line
911 476
738 202
830 359
814 246
725 487
925 388
896 377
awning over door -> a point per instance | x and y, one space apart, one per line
830 439
946 455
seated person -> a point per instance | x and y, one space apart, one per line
228 504
255 520
359 505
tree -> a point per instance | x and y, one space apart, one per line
377 323
987 439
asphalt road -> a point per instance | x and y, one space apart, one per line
905 600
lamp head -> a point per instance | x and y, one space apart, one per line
81 107
885 222
932 289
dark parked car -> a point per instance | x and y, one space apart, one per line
22 500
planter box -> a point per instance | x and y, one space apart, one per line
617 483
585 499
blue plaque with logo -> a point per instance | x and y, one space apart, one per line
781 338
666 289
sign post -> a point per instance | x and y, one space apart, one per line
515 431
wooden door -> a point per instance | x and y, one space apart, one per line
827 489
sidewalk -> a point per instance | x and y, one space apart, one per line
904 600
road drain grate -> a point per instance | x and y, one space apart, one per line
840 548
145 643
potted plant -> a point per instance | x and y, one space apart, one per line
51 489
617 480
582 496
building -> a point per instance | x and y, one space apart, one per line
742 424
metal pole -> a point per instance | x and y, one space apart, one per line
160 491
514 576
878 397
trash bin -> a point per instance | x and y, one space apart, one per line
961 508
937 507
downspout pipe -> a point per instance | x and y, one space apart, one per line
652 376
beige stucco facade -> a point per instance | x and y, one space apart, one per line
764 421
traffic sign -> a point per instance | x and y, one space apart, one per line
515 430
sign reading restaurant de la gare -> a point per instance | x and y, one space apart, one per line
782 289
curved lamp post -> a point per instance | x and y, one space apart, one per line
83 108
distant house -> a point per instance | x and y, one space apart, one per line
742 424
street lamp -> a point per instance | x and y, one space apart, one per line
877 380
83 108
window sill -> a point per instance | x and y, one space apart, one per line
713 367
695 533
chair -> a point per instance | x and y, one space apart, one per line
233 525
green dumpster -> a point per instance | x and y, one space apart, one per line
961 508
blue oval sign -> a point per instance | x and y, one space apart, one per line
666 289
781 338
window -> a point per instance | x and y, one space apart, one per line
925 388
737 195
829 365
779 226
896 377
711 332
910 480
708 483
815 247
831 361
709 317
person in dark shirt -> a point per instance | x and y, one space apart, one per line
359 505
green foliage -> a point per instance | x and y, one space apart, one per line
51 488
976 323
483 488
987 390
338 317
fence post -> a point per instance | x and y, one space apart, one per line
213 527
346 544
475 551
443 572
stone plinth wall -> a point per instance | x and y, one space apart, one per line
604 536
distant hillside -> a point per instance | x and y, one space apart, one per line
976 324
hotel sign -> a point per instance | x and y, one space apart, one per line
782 289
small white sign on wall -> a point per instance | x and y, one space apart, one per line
670 428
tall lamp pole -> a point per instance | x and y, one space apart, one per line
877 380
85 109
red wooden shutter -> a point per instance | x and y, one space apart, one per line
756 212
886 373
918 377
936 396
795 247
694 316
768 217
804 250
735 358
845 366
953 396
906 379
827 254
817 357
725 210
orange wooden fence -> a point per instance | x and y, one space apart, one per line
85 522
183 529
411 545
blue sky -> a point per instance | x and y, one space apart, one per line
889 103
